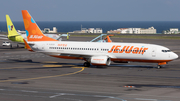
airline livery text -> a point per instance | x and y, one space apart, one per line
127 49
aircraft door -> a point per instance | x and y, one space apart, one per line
154 52
99 49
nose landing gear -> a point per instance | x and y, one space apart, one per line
160 65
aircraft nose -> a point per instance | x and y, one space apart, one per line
174 56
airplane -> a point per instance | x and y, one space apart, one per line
14 36
94 53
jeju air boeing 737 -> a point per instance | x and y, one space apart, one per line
95 53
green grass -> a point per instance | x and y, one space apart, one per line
136 36
149 37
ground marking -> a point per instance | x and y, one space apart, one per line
82 69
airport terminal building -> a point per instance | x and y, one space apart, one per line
150 30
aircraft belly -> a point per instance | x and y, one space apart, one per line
139 58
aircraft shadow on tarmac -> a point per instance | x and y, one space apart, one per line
104 67
8 47
133 66
151 85
69 65
18 60
44 65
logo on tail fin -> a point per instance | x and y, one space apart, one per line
33 31
10 27
36 37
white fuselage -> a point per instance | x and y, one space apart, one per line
115 51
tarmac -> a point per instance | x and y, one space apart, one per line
31 76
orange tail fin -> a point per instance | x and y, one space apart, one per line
33 32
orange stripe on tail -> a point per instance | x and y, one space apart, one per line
33 32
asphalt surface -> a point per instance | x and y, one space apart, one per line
30 76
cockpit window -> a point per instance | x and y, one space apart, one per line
166 50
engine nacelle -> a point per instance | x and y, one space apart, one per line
100 60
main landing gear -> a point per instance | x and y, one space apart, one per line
17 46
160 66
86 64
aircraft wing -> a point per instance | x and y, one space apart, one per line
13 35
6 37
76 55
80 55
3 38
72 56
100 37
61 36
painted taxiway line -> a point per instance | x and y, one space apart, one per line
52 65
82 69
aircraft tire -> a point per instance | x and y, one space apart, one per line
10 46
159 66
86 64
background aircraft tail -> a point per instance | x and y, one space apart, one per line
33 32
10 27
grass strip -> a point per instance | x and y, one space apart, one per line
136 36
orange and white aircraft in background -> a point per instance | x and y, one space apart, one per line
95 53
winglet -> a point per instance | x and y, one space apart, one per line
108 38
10 27
33 32
27 46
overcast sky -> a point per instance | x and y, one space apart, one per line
92 10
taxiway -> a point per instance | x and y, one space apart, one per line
30 76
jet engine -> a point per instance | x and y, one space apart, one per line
100 60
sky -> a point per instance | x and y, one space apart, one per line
92 10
